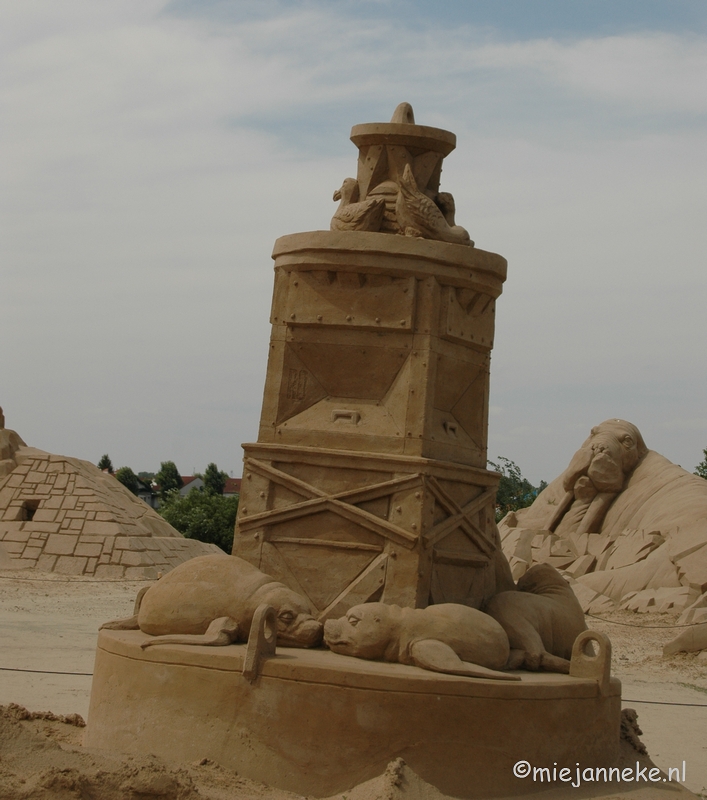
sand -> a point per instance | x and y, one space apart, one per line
43 758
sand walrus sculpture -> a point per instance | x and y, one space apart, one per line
614 482
628 525
596 474
447 637
542 620
211 600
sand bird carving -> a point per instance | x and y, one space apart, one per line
352 215
419 216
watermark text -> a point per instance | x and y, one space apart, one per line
577 775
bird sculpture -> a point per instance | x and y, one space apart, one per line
420 216
351 215
445 203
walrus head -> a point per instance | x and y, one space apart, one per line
296 627
365 632
611 452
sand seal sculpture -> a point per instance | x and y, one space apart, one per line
210 600
443 638
542 619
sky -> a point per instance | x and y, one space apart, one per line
151 153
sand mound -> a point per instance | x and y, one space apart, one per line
35 766
41 758
398 782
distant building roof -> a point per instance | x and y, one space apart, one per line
233 486
190 482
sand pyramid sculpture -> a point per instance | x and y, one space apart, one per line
62 514
626 526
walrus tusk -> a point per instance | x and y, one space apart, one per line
561 510
222 631
594 515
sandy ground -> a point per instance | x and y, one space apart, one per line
49 625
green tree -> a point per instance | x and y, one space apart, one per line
701 468
128 478
106 463
168 478
214 479
514 491
202 515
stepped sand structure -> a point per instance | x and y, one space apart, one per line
61 514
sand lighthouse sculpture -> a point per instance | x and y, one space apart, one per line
367 487
369 480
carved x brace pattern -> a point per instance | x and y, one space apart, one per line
343 503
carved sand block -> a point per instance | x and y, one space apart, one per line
372 446
368 481
212 600
318 723
691 640
443 638
344 531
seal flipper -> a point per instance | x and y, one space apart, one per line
515 659
439 657
551 663
221 631
129 623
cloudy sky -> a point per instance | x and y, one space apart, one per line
153 151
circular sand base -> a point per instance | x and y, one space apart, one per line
317 723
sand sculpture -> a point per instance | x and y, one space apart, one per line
368 481
418 215
367 495
182 607
10 443
626 525
691 640
445 638
353 215
62 514
542 620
